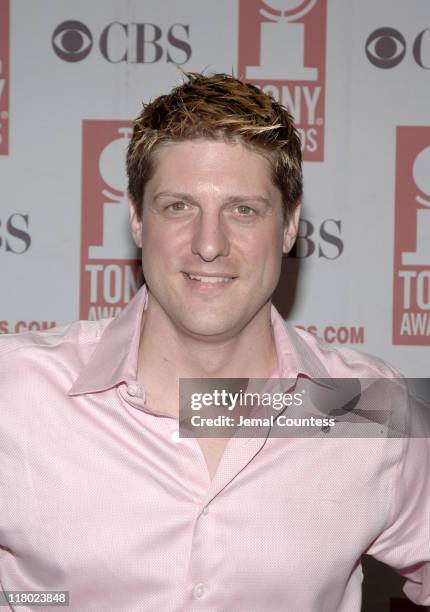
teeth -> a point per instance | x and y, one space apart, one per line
210 279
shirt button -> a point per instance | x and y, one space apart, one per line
175 437
198 590
132 390
205 510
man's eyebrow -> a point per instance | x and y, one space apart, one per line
229 200
174 194
248 198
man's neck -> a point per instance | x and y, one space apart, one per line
167 354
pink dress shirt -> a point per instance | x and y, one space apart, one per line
99 496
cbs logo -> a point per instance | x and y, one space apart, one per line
386 48
137 43
72 41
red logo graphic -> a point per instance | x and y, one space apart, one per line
411 313
110 266
282 51
4 76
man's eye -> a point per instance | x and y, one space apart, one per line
245 211
177 206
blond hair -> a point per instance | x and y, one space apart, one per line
217 107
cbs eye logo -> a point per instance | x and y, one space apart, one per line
72 41
386 48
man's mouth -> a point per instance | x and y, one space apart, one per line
212 280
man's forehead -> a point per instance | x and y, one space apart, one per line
168 148
190 161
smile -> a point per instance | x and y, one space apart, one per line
210 280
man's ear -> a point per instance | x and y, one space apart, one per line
135 222
291 228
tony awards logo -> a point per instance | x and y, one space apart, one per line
110 263
411 297
282 48
421 176
117 243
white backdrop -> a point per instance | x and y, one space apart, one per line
355 74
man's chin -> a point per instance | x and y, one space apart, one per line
208 329
214 323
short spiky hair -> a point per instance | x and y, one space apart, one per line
217 107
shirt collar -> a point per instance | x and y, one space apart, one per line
115 357
296 356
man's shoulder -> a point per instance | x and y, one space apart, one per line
72 342
372 381
342 361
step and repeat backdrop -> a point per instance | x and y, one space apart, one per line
355 75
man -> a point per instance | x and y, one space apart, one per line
100 495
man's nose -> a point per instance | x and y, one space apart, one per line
210 236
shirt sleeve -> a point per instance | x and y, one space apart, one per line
405 543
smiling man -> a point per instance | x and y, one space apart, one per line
99 494
212 241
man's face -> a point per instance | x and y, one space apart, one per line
212 236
